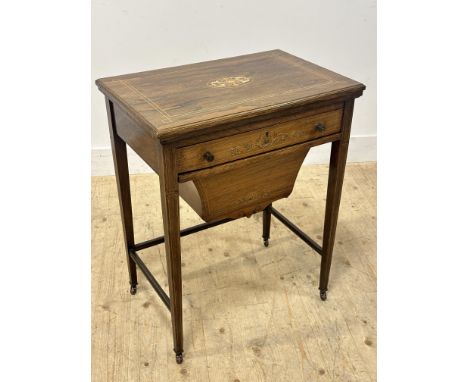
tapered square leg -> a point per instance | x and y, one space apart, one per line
170 209
336 173
266 225
119 152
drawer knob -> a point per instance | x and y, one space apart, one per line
208 156
320 127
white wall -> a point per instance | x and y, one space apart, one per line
135 35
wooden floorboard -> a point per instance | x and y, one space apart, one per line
250 313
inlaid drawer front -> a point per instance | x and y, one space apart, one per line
254 142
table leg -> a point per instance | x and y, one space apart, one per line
119 152
170 208
266 225
338 155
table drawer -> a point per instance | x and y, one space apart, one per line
234 147
245 186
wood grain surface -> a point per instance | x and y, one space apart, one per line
250 313
172 103
269 138
246 186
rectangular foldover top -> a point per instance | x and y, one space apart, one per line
174 102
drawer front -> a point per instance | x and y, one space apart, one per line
243 187
234 147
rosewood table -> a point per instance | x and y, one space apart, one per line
229 137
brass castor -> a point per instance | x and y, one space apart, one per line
133 289
179 357
323 295
266 243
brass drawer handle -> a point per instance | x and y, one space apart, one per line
208 156
320 127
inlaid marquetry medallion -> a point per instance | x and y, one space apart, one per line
229 82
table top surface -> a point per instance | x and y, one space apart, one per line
177 101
